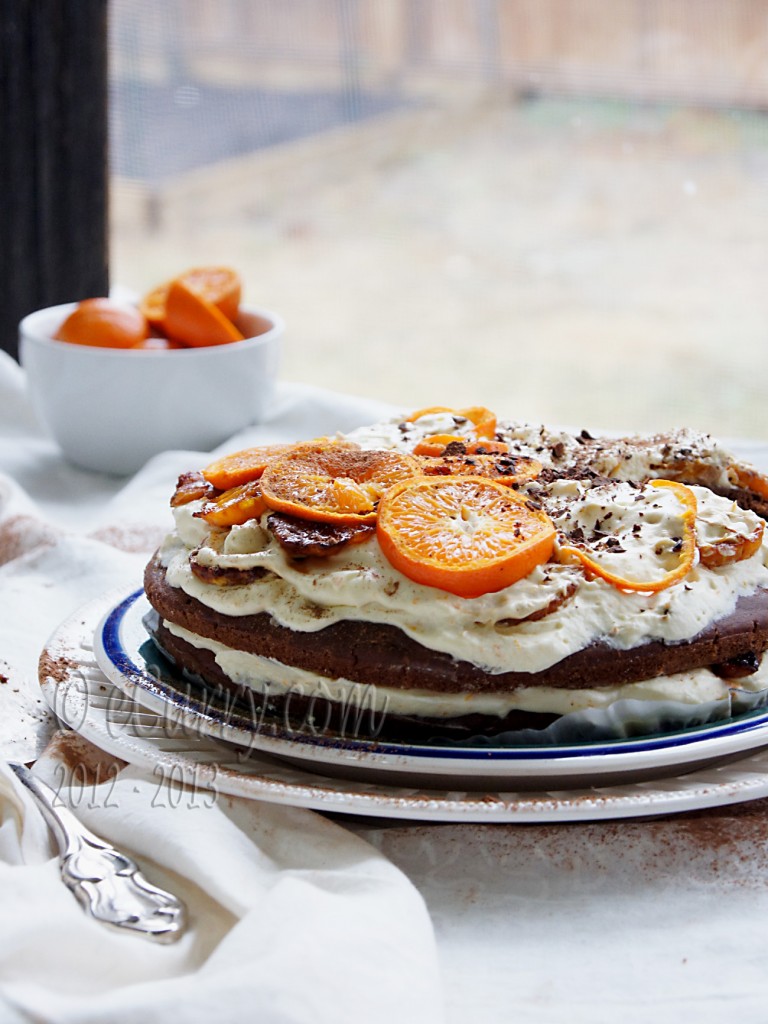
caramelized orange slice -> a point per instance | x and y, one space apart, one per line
487 447
191 487
751 480
483 420
507 469
463 535
333 482
593 568
436 444
235 506
430 410
243 466
731 547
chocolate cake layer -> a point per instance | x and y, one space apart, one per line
382 655
313 713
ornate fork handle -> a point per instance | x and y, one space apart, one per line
107 883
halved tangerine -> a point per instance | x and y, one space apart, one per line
103 323
220 286
243 466
235 506
152 305
463 535
333 483
194 321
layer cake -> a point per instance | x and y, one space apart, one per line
573 576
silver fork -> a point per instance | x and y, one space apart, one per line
107 883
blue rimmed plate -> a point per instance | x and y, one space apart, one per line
191 765
129 661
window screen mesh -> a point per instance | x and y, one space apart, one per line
554 207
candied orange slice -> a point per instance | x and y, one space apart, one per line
191 487
750 480
235 506
506 469
430 410
732 547
488 447
436 444
334 482
593 568
483 420
243 466
463 535
192 320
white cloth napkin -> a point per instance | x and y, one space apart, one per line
292 917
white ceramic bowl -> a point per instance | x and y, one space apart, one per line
110 410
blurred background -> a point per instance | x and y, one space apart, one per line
557 208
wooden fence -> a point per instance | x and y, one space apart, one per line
708 52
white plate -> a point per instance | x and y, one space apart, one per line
121 647
176 748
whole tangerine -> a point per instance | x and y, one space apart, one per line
103 324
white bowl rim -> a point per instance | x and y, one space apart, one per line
29 332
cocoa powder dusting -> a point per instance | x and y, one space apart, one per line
56 667
77 754
19 535
134 539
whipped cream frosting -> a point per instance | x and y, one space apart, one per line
527 627
272 678
632 458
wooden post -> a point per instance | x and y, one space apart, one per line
53 156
